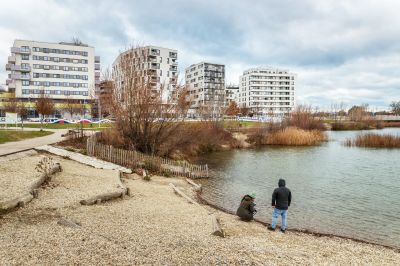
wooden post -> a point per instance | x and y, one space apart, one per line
216 227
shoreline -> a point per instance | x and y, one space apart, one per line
303 231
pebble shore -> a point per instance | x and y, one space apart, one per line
155 227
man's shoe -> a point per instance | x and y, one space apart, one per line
283 231
271 229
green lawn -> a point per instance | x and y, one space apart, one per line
14 135
63 126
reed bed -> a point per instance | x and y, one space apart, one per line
374 141
293 136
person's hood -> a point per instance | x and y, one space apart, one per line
248 198
282 183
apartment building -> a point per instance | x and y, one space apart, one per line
152 65
206 85
231 94
267 91
58 70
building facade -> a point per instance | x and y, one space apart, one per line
60 71
152 65
231 94
206 85
267 91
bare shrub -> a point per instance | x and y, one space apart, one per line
304 118
144 119
374 141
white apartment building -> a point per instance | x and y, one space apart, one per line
206 85
156 65
267 91
59 70
231 94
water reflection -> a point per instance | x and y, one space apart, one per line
336 189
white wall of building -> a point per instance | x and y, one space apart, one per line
267 91
163 61
30 60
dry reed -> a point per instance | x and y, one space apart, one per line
295 137
374 141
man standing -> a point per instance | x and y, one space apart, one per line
281 199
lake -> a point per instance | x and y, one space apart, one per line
348 191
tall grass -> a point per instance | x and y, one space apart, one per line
374 141
292 136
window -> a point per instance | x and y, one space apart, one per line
25 57
25 83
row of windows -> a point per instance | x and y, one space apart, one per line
59 51
65 68
59 59
269 77
55 92
59 76
54 84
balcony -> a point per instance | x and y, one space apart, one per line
18 50
9 81
96 66
173 55
11 59
12 67
97 74
20 76
97 59
11 85
173 68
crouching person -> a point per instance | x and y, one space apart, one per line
246 210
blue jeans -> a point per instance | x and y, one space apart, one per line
275 214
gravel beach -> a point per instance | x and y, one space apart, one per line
155 226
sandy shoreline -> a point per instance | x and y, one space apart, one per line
303 231
155 226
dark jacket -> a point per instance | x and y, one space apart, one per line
246 209
282 196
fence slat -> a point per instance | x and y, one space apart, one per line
131 158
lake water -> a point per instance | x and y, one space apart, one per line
352 192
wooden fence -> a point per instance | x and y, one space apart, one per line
133 159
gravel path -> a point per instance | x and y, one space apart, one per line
155 226
17 175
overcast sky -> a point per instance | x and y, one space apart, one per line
342 50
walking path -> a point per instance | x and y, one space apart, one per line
17 146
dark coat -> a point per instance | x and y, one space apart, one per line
282 196
246 209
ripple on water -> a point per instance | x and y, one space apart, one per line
336 189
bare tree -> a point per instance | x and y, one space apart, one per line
72 106
143 118
395 106
22 112
44 106
233 109
358 113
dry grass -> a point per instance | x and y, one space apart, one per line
374 141
295 137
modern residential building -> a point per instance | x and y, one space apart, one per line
206 85
231 94
58 70
267 91
154 65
